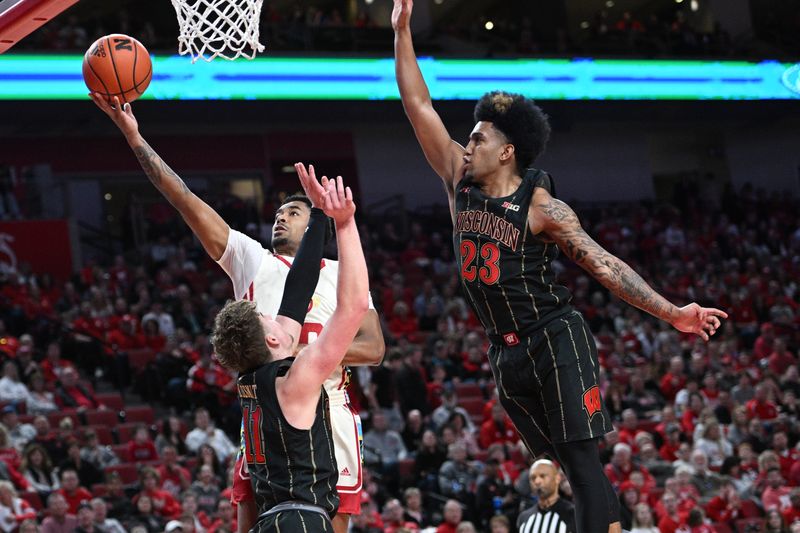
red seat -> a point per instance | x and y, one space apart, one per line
104 435
33 499
102 417
139 359
473 405
121 451
468 389
141 413
128 472
721 527
112 400
125 432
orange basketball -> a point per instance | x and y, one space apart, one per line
117 65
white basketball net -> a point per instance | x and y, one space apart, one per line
218 28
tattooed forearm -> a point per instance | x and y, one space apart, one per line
164 178
564 226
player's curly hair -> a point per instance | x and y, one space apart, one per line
238 337
523 123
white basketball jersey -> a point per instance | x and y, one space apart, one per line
259 275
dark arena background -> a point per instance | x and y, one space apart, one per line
676 139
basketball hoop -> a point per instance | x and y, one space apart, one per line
218 28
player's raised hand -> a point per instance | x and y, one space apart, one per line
338 202
314 189
401 14
122 115
702 321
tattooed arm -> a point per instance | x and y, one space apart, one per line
204 221
560 223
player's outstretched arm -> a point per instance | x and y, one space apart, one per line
369 346
317 360
204 221
560 222
443 154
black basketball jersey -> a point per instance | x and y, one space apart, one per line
286 463
506 271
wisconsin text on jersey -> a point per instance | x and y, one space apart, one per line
488 224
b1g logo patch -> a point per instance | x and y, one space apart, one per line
591 401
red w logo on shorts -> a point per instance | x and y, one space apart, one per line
591 401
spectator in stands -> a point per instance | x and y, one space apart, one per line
226 518
29 526
394 518
744 391
760 406
71 490
19 435
621 466
207 456
40 401
88 473
59 519
166 324
728 506
498 429
97 454
174 478
206 490
670 521
189 505
457 476
161 501
410 381
85 518
441 415
145 515
776 494
119 503
38 470
774 522
383 446
493 494
11 389
171 436
413 431
628 499
72 394
414 510
461 432
452 517
141 449
429 459
643 519
674 380
13 509
205 433
101 519
714 444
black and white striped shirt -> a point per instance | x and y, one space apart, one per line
558 518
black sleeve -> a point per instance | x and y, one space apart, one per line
304 274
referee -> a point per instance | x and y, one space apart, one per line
550 514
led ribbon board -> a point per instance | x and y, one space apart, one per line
51 77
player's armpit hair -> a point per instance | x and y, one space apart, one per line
238 337
523 123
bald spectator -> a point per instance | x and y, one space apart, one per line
457 476
101 519
550 508
621 466
71 394
452 517
59 520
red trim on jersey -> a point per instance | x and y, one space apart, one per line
285 262
349 503
241 490
250 291
344 378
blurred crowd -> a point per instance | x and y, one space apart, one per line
660 29
707 433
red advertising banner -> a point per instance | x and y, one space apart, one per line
44 244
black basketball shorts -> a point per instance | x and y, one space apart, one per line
548 384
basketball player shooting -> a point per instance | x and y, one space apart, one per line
259 275
508 228
288 438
